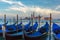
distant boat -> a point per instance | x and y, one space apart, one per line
41 34
56 31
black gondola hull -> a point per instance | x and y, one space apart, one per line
42 37
13 37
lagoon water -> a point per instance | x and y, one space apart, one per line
42 22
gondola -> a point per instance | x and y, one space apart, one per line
56 31
32 28
10 29
41 34
19 26
18 35
37 35
4 25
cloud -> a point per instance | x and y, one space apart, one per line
38 10
19 6
58 7
13 2
22 9
26 10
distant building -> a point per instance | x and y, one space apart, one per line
37 17
42 18
27 18
47 18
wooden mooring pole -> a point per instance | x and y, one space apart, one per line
50 27
39 20
31 19
4 27
22 28
17 23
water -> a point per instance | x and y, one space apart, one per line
41 24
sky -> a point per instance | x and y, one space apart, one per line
26 7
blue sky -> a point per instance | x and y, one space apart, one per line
26 7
